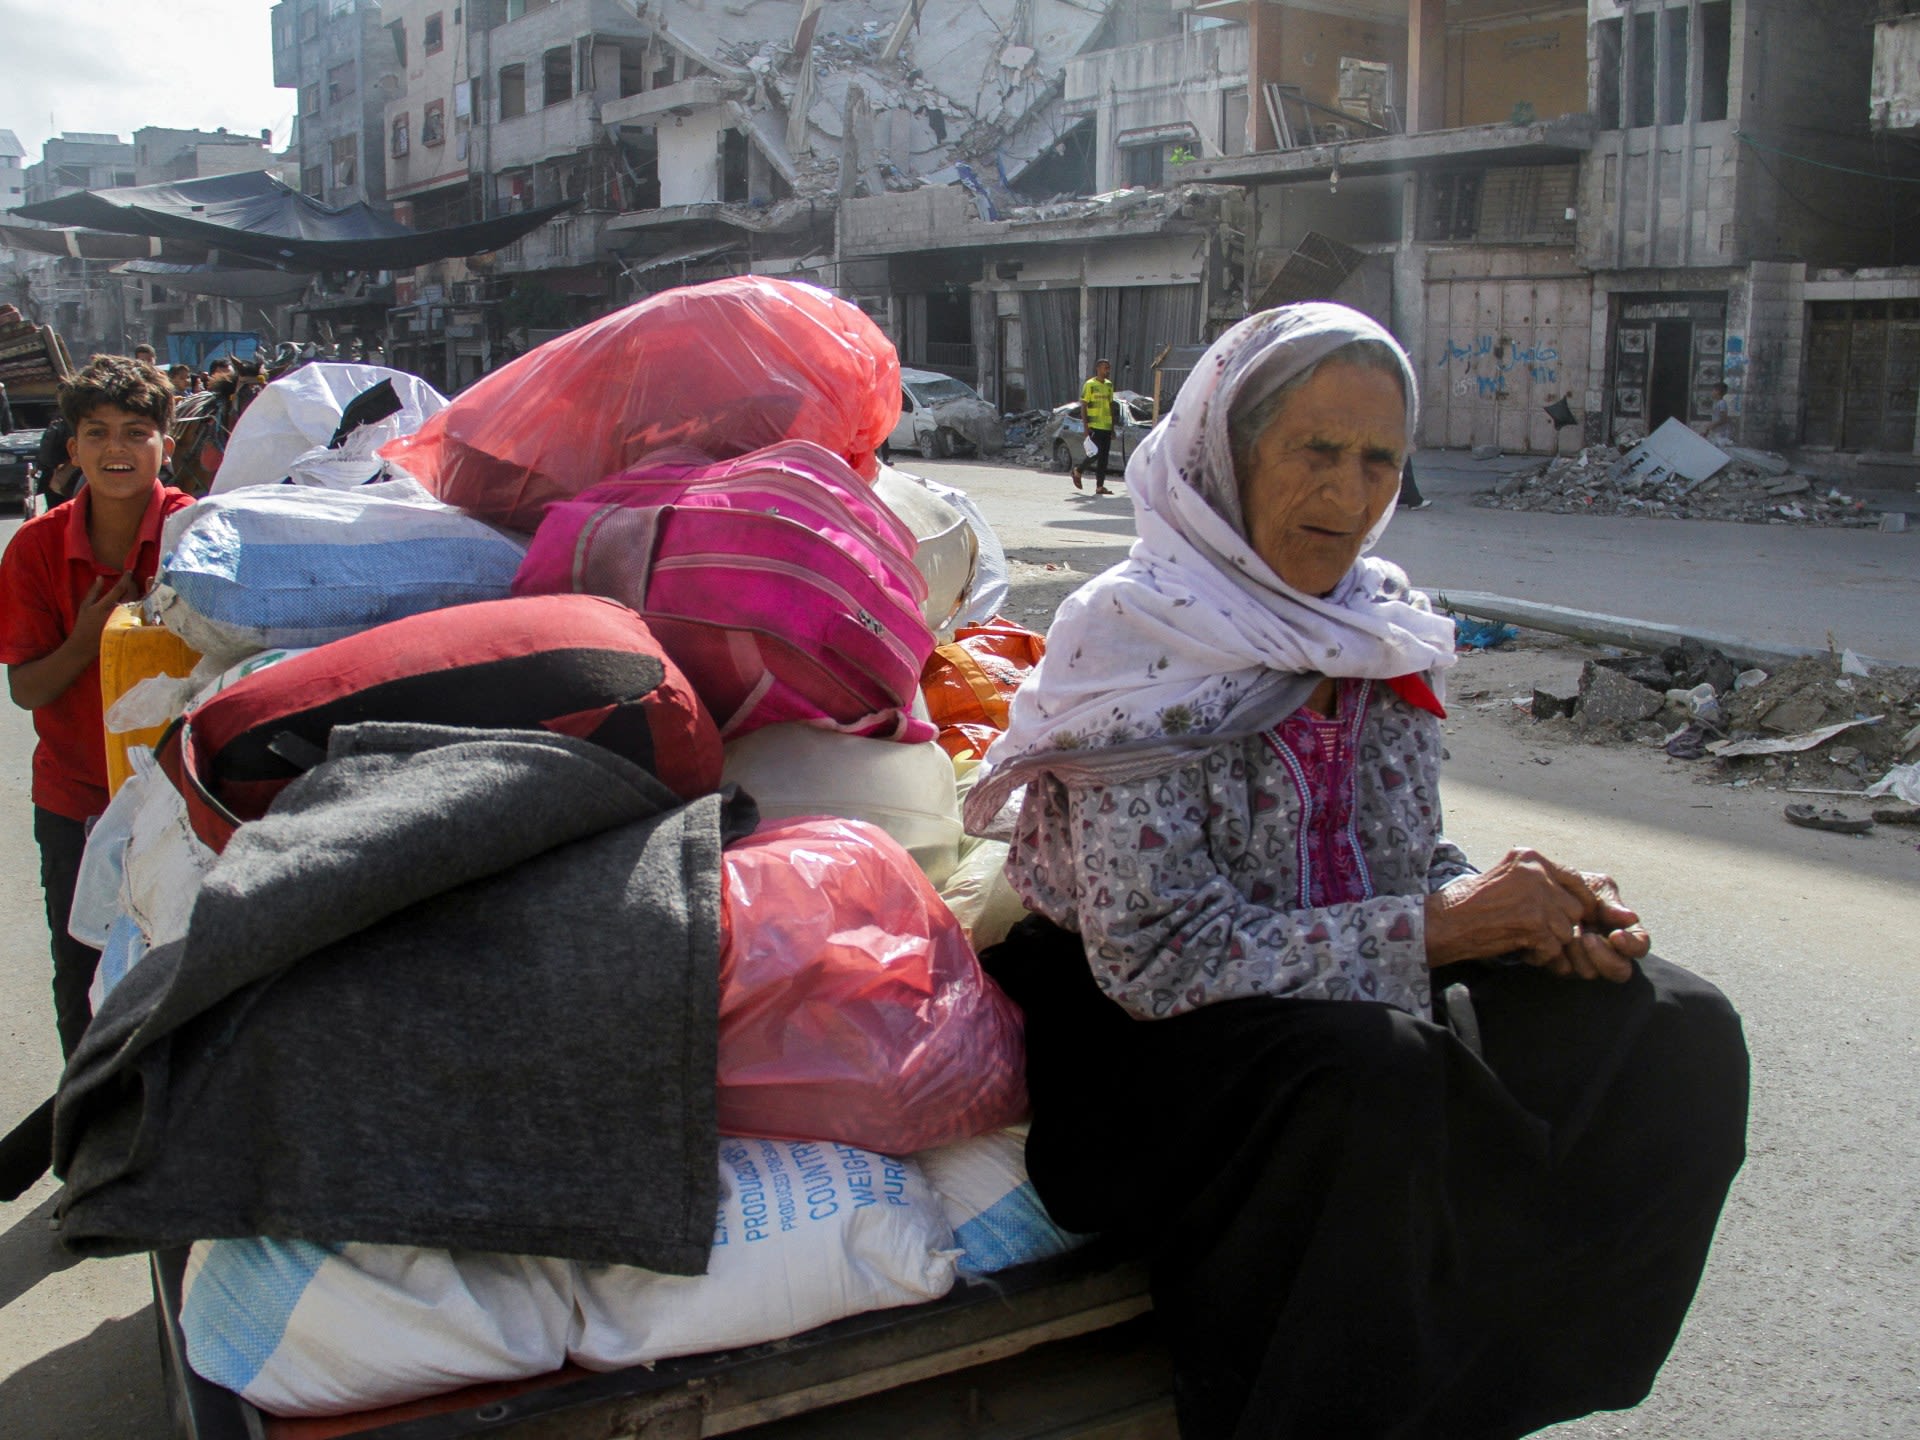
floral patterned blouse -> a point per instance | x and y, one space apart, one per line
1292 863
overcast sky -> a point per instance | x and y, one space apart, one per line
115 65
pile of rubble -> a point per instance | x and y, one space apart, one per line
1826 721
1753 487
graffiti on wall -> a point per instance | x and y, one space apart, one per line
1486 364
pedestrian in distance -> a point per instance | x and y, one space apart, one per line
1096 408
180 377
144 354
60 579
1720 427
1410 496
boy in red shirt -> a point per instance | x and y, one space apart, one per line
60 578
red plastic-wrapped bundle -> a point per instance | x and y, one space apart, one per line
851 1006
720 369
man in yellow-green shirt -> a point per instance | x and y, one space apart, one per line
1096 408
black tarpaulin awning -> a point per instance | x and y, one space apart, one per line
227 282
257 215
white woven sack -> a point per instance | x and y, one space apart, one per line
305 1329
946 552
907 790
807 1234
287 565
997 1217
302 409
165 864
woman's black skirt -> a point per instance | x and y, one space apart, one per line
1359 1227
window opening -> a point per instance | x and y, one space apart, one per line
401 143
1452 206
1673 72
339 83
313 181
1644 64
733 167
346 167
556 75
398 29
433 123
1144 164
1716 58
433 37
513 91
1366 89
1606 74
310 99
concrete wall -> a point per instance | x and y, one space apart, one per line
1183 80
544 132
1491 70
351 37
1313 43
427 78
1894 101
882 224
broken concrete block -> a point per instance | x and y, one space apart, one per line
1648 670
1551 702
1793 715
1509 485
1792 485
1608 698
1486 452
1764 461
1894 522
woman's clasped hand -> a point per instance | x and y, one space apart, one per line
1570 922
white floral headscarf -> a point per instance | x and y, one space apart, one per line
1193 638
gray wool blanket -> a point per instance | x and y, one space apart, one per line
459 989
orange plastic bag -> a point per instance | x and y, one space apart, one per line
852 1008
970 683
720 369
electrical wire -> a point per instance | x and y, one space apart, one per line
1747 139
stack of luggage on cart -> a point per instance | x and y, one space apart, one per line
537 924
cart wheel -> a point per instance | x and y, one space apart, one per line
1062 457
942 444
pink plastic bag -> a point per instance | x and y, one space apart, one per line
851 1006
778 582
721 369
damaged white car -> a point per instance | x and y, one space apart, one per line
942 417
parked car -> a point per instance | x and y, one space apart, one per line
18 449
942 417
1062 438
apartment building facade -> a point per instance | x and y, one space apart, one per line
339 59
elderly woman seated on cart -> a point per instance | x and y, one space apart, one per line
1416 1150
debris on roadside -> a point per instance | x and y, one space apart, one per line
1752 487
1815 722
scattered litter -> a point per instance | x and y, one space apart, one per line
1901 782
1689 742
1910 740
1481 634
1543 759
1836 821
1852 664
1786 744
1747 679
1897 814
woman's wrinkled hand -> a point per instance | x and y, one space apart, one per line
1567 921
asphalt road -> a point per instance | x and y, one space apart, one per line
1808 1324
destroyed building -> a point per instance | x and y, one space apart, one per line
1610 204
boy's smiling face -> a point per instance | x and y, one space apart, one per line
120 452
